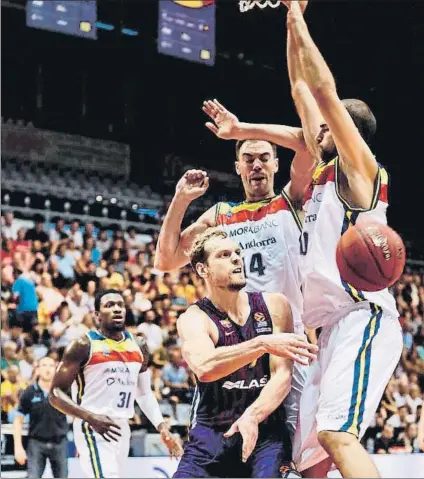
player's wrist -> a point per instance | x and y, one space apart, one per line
162 427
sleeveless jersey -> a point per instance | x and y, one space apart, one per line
107 383
327 217
221 402
268 233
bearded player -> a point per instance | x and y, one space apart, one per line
241 348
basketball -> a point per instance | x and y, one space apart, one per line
370 256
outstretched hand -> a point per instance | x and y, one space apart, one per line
290 3
248 427
224 123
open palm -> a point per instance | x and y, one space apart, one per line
224 123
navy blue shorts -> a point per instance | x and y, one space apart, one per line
208 453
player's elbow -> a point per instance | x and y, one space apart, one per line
205 373
323 92
163 262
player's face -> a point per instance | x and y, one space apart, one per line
257 166
326 143
46 369
224 266
112 312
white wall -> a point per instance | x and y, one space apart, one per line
390 466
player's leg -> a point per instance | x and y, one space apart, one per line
201 451
98 457
124 447
365 348
272 453
307 452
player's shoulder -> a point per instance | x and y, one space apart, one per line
277 304
78 350
194 318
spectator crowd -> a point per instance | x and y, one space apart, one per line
48 284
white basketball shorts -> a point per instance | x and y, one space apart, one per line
98 457
357 356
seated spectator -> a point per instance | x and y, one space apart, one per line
402 418
52 297
27 364
103 242
151 331
65 260
58 233
186 290
9 357
385 440
414 398
11 389
75 234
408 440
95 253
175 378
61 324
37 233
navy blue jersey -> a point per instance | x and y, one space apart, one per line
221 402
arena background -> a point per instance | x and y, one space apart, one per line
101 118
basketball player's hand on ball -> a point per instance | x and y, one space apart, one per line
290 346
224 124
171 442
193 184
248 427
104 426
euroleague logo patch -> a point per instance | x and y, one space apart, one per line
259 317
226 323
261 323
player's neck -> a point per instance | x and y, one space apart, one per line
114 335
226 301
252 197
44 385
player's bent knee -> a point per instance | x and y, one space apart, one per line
332 440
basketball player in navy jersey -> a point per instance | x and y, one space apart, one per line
241 348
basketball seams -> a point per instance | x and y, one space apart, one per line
371 251
352 267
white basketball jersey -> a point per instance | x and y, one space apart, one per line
327 217
268 233
107 383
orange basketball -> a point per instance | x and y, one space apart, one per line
370 256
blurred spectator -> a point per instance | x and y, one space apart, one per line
25 295
65 260
9 357
151 331
75 234
186 290
61 324
27 363
175 378
9 228
11 389
58 233
103 242
385 440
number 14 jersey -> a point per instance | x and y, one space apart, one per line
268 233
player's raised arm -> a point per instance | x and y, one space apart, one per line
277 388
173 244
305 161
75 355
210 363
355 155
226 125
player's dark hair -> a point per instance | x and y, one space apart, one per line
239 144
100 296
363 118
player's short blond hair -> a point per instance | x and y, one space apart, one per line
198 250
